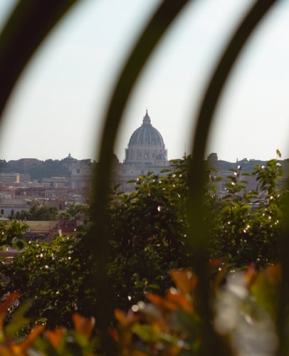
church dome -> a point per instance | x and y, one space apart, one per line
146 135
69 158
146 147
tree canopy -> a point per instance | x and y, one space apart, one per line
147 232
39 212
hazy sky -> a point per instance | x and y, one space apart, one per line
59 103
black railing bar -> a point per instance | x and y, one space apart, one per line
154 30
204 120
26 28
157 26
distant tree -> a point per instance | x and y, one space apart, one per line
38 213
49 169
37 170
75 209
11 233
50 213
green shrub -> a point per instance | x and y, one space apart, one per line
147 232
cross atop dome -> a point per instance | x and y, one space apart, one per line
146 119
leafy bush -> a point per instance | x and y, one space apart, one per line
148 228
247 225
245 309
11 233
39 341
52 276
147 232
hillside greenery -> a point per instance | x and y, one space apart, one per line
59 168
36 168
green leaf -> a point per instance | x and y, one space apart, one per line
145 332
18 320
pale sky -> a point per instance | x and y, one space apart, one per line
59 103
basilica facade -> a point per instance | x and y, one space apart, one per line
145 153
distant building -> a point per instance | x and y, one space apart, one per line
9 178
9 207
81 175
39 230
47 230
25 179
146 152
146 147
212 160
68 161
56 182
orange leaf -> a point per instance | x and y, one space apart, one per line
4 351
55 336
2 318
17 349
31 337
120 316
34 333
114 334
215 262
186 281
84 326
160 302
250 274
274 274
181 301
125 319
174 351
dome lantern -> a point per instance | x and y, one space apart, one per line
146 119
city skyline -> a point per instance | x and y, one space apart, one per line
61 99
122 161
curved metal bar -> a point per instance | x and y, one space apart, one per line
147 42
26 28
153 32
199 236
